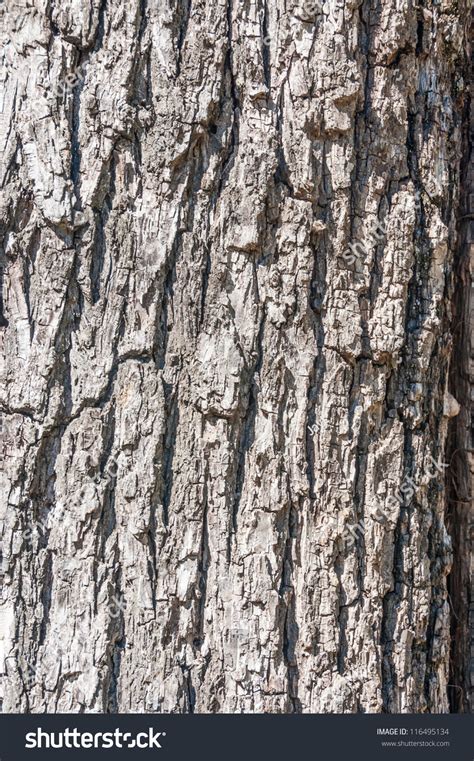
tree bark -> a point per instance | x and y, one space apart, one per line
233 257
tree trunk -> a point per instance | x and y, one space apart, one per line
233 274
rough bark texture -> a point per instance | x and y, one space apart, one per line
460 516
217 492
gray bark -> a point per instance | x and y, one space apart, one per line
233 268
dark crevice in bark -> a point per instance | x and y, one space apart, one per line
312 423
361 464
114 675
169 445
419 283
287 606
46 595
266 48
361 127
97 259
185 14
419 32
49 15
26 293
108 470
99 39
198 166
392 599
3 319
190 696
206 271
163 326
75 107
60 373
152 535
203 565
390 604
99 250
141 31
317 296
117 639
227 160
247 429
41 490
282 174
342 618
